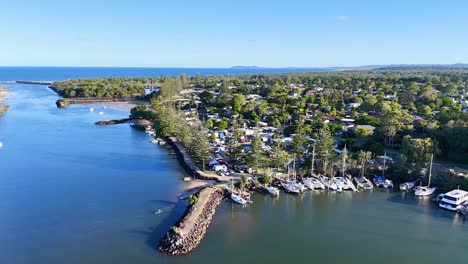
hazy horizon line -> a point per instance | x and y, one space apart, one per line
238 66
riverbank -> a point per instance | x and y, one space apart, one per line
193 170
35 82
188 233
3 93
66 102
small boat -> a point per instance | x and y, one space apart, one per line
273 190
308 183
463 209
236 198
380 181
344 183
101 113
328 183
91 109
317 183
337 182
425 190
363 183
290 187
438 198
312 182
162 142
407 186
158 212
154 141
298 185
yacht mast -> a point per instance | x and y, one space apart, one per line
312 162
325 164
430 171
383 169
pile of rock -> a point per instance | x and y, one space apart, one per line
177 241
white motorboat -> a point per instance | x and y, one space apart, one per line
388 184
380 181
273 190
407 186
425 190
453 199
236 198
363 183
154 141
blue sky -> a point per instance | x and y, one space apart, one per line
208 33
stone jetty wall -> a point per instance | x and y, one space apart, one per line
193 226
189 165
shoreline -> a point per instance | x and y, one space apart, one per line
66 102
35 82
3 97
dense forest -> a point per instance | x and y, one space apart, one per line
102 87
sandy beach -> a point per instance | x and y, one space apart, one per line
3 93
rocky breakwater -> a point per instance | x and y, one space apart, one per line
188 233
3 109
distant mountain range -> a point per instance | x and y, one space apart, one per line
367 67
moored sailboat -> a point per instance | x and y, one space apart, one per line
312 182
425 190
361 181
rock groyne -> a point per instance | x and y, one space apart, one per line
188 233
3 109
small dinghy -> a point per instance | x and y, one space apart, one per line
158 212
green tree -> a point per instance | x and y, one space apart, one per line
279 157
200 148
237 102
362 132
418 150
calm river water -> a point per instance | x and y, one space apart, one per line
73 192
